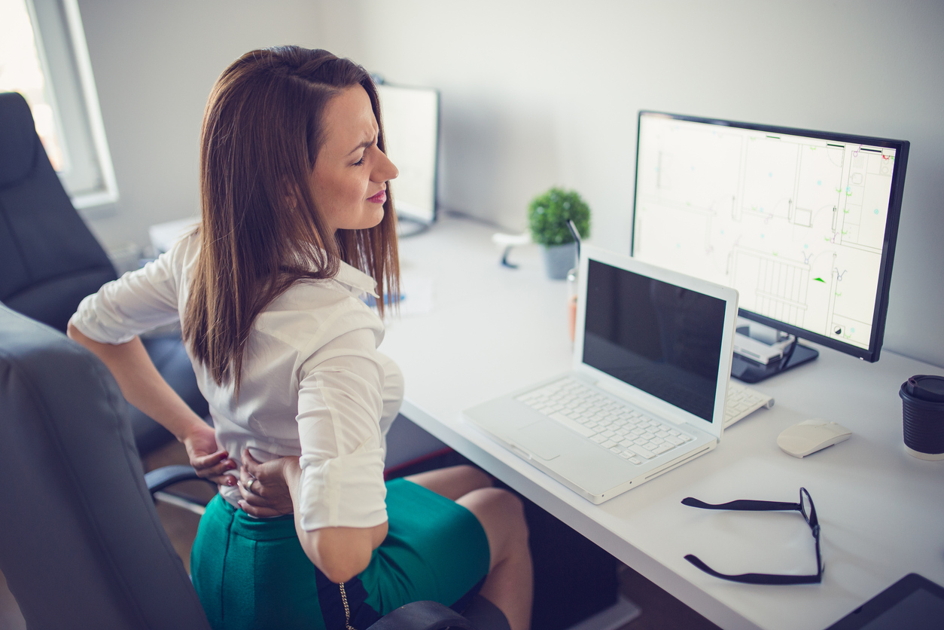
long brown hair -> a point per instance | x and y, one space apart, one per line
261 229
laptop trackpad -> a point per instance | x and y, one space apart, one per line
541 438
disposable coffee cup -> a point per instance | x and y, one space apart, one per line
923 416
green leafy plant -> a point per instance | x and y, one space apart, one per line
548 214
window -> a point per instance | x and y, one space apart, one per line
43 56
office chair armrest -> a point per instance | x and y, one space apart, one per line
160 478
422 616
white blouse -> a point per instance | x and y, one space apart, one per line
313 383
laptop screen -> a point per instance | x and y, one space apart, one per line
654 336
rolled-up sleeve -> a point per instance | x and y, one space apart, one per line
136 302
340 403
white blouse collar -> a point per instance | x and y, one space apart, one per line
356 279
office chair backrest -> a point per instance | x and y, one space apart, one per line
81 544
49 260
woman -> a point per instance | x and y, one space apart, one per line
296 227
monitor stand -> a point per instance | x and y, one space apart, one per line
753 370
408 226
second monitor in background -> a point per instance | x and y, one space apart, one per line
411 130
802 223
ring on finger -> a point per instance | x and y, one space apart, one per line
252 480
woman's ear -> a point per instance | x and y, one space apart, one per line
290 195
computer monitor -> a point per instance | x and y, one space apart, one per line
802 223
411 130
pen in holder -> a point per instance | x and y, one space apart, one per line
572 284
572 302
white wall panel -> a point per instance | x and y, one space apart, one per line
537 93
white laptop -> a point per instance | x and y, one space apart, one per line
646 394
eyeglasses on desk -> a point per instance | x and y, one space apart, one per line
804 507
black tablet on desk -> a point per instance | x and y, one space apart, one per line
913 602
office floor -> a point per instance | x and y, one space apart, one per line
660 611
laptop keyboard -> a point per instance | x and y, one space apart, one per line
618 427
631 434
742 401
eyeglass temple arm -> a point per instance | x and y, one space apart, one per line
756 578
742 504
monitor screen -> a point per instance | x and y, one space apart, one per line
411 131
655 336
802 223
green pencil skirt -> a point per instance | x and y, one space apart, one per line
253 573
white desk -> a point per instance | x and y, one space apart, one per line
881 511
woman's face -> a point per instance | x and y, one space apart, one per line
351 173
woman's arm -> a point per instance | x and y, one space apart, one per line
271 489
144 387
340 552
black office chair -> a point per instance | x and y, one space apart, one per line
81 543
49 260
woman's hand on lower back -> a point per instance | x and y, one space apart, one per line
210 461
264 486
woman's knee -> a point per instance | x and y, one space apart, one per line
475 478
519 520
501 514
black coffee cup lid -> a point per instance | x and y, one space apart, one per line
926 387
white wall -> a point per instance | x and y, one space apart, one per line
542 93
154 66
536 93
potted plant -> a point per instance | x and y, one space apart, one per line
548 215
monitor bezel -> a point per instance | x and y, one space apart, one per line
421 221
880 310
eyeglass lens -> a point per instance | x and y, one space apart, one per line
807 508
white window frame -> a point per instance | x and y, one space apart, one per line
63 52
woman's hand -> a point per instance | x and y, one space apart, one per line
205 457
264 486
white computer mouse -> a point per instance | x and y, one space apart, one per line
810 436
